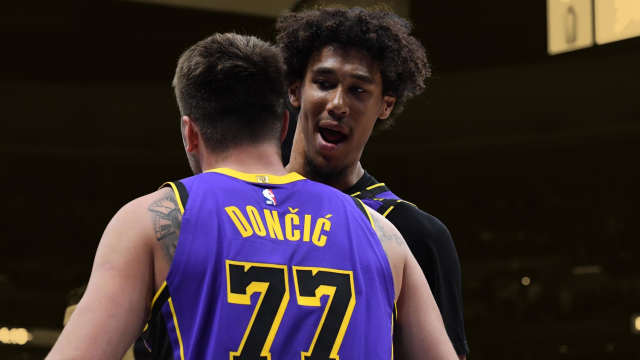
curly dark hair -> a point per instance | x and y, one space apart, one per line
381 34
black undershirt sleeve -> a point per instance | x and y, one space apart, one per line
431 244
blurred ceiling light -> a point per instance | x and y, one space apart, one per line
635 323
525 281
616 20
17 336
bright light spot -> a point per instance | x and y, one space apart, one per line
15 336
20 336
4 335
525 281
636 323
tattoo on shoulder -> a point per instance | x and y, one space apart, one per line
387 233
166 218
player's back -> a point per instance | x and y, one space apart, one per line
275 267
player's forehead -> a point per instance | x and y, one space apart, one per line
344 60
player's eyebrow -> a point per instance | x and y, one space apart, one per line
363 77
322 70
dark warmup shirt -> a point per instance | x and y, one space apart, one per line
431 244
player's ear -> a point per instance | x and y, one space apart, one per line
285 126
190 134
388 102
294 94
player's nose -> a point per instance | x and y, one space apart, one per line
337 105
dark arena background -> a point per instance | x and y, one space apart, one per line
530 159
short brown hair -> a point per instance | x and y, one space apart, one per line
232 86
382 35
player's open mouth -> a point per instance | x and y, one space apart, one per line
331 136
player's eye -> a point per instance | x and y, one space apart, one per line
356 90
323 84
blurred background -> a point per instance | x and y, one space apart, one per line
526 145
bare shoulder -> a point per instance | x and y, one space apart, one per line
155 220
152 216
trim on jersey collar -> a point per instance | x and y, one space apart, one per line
259 178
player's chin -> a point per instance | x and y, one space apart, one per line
329 157
324 168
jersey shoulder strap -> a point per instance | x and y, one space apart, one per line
382 205
180 192
371 191
370 195
389 204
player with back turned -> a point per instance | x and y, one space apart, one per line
244 260
350 71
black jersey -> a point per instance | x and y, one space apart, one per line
432 246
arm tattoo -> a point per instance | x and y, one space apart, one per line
166 218
385 232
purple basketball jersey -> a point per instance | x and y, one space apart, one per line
276 267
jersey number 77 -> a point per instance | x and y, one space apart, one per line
272 282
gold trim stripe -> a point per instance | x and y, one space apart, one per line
153 302
367 212
175 323
375 186
392 335
388 211
259 178
155 297
395 311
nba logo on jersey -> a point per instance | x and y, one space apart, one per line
270 197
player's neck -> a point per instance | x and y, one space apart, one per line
341 180
252 159
346 178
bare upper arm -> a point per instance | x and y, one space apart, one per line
114 307
422 335
393 245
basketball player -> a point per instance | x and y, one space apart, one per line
247 261
350 71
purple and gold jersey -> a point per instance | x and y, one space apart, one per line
274 267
